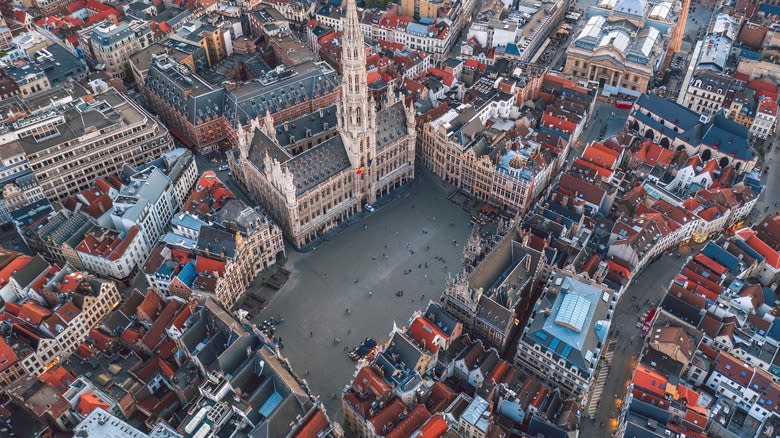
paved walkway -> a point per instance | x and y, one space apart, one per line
322 285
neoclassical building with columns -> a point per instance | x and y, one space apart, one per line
314 172
622 45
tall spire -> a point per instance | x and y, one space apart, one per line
356 108
354 87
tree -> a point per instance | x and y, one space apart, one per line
129 76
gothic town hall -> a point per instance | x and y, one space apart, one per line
316 171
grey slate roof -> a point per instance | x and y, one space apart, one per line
313 124
682 116
171 84
29 272
261 144
217 242
391 125
280 90
318 164
493 313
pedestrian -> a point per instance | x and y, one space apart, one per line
311 334
349 331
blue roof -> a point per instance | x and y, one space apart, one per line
774 330
175 239
669 109
188 273
270 404
769 9
554 132
576 292
512 410
166 269
728 137
750 54
745 247
512 49
417 29
187 220
473 413
721 256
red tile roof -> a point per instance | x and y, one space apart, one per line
650 380
572 186
689 297
368 380
15 265
770 255
130 336
316 423
758 322
33 312
208 195
654 154
708 351
101 340
58 378
600 155
446 77
498 372
441 396
207 264
185 313
623 271
107 243
7 355
435 427
149 306
426 333
89 401
156 332
696 419
67 311
86 350
710 325
733 368
580 163
710 263
388 417
406 427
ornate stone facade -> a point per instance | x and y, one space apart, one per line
314 172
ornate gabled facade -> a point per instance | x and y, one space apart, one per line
314 172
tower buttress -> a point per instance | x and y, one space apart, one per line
390 97
268 126
243 141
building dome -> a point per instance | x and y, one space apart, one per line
631 7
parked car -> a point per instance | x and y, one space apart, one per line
223 168
369 207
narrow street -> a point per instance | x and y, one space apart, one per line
769 201
651 285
